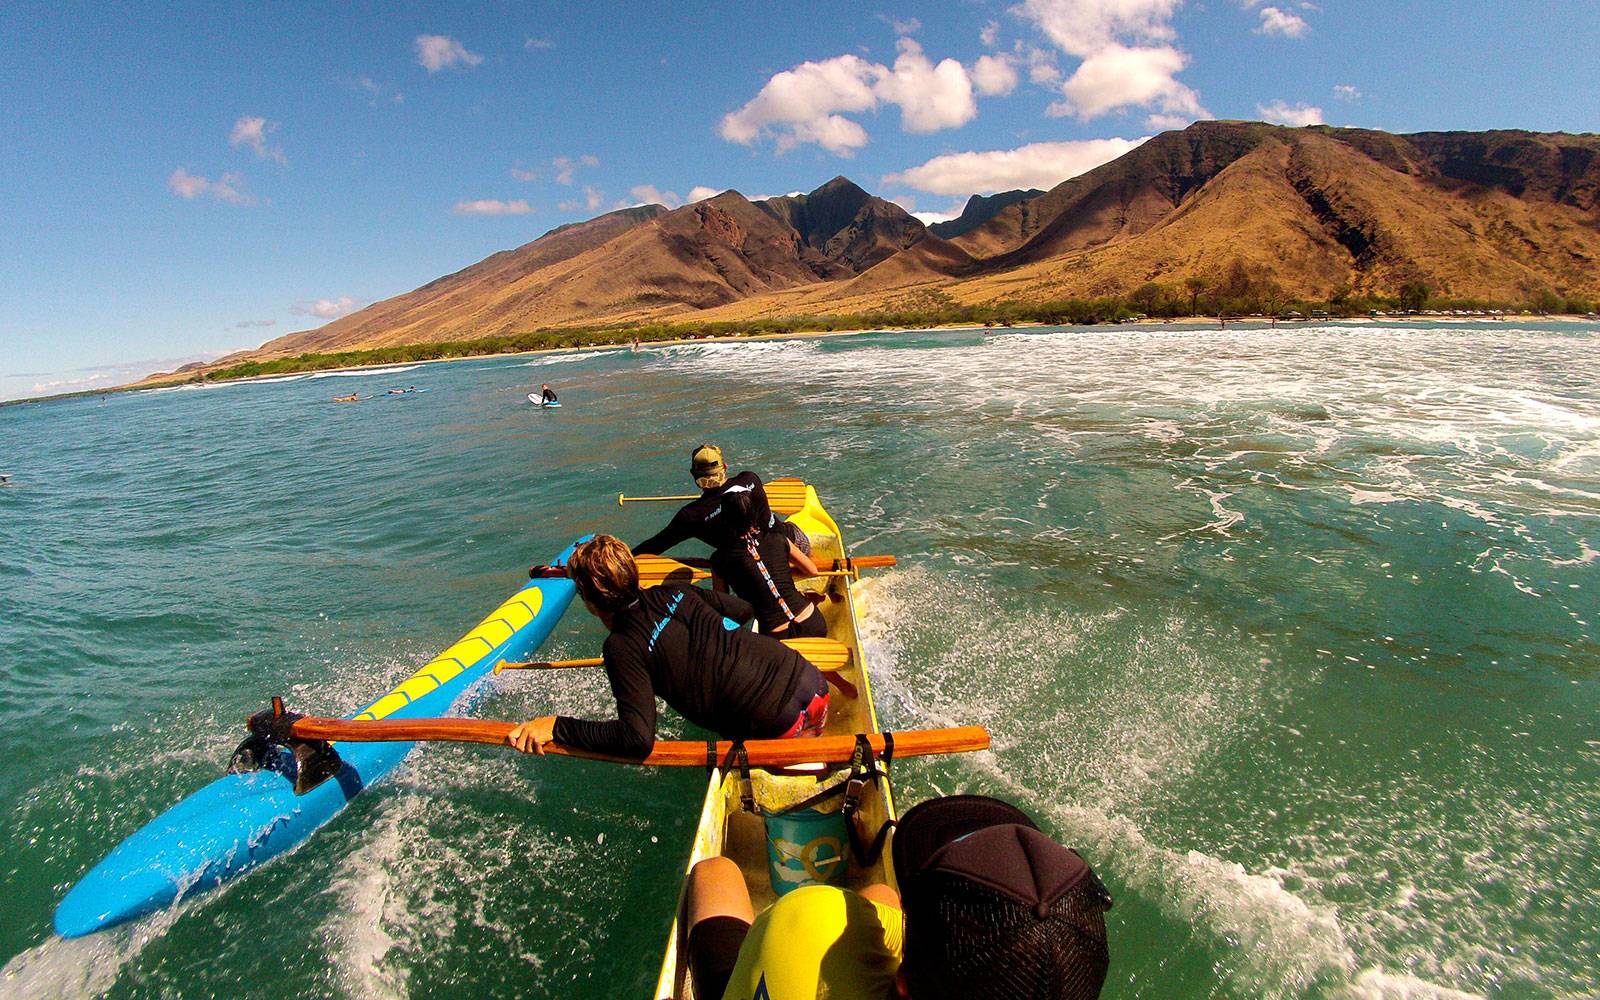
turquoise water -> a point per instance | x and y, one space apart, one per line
1292 632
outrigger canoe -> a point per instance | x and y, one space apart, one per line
725 827
240 821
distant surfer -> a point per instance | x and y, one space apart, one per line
352 398
547 395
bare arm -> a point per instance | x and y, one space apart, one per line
801 563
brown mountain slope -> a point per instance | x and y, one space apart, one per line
636 264
416 315
847 226
1486 215
1494 215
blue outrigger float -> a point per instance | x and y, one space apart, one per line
242 820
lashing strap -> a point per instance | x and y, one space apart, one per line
739 757
863 768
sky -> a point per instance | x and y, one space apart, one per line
178 181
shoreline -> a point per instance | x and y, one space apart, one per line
1212 323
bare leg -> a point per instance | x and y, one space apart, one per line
880 893
719 915
717 889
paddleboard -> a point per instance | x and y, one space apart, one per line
240 821
538 400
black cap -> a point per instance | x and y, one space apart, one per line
994 907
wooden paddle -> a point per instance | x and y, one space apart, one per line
828 655
656 570
667 753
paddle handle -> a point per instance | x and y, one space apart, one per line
623 499
591 661
863 562
666 753
835 567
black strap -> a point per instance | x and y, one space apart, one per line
862 766
711 756
888 747
740 757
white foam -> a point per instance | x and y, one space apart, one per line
357 373
1167 709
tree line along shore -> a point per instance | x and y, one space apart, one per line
1237 295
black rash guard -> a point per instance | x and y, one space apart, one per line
549 395
772 593
685 645
702 518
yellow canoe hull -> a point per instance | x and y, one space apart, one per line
725 828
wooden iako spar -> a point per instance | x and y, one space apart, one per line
666 753
828 656
656 570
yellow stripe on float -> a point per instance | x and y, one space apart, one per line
441 670
417 686
390 703
504 622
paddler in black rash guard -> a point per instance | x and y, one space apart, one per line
759 566
684 645
702 517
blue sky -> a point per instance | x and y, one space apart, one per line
180 180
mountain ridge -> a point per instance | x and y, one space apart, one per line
1500 215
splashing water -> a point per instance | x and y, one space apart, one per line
1290 631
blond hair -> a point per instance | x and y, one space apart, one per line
604 570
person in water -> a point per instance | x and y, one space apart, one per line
683 644
702 517
993 910
758 564
547 394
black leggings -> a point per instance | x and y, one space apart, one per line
713 952
813 627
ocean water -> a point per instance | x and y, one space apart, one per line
1292 632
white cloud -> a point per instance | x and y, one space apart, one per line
700 193
910 26
990 34
994 75
1038 165
649 194
1083 27
374 91
326 308
566 166
247 323
591 200
1169 121
1283 113
524 174
252 131
931 97
1117 77
1127 59
437 52
538 43
187 185
805 101
1346 92
1276 21
227 188
1042 67
491 206
808 103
